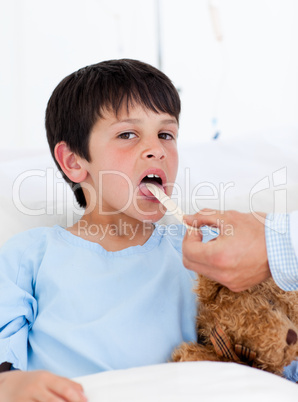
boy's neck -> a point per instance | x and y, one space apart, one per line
113 233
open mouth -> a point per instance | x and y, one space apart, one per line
150 178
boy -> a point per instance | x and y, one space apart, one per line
75 301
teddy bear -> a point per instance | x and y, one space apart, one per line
257 327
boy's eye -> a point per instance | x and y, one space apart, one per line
127 136
166 136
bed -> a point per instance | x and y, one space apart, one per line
188 382
252 174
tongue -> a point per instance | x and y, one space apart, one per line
144 190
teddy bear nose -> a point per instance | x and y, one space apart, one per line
291 337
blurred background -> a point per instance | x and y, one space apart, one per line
235 62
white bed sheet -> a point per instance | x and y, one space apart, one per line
189 382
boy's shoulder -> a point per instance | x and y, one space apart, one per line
176 232
173 233
29 239
21 255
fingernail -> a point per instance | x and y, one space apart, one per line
79 396
84 398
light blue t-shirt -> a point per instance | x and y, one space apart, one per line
69 306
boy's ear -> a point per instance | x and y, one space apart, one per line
70 163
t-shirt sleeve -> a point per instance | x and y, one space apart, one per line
18 307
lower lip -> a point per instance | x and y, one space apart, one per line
153 199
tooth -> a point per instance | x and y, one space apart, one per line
150 175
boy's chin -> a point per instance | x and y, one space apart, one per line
151 217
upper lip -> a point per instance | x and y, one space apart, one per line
156 171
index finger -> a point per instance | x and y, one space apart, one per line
206 216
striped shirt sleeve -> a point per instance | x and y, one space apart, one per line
282 258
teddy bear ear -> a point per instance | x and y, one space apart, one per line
207 289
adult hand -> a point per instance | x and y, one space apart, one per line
237 258
38 386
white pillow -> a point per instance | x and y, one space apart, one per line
33 194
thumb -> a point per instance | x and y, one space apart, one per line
192 246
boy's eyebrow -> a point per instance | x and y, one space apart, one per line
169 121
137 121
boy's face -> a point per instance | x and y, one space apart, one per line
124 149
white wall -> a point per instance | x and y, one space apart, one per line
249 80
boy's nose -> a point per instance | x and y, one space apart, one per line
154 151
